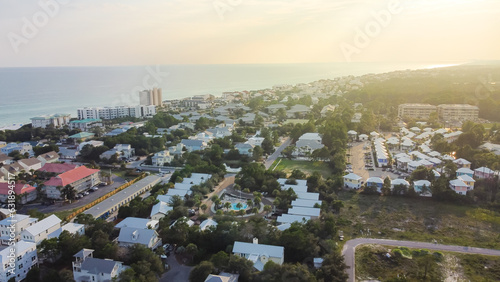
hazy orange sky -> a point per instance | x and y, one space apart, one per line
90 32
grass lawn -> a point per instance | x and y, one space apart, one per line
63 214
307 167
417 219
121 173
372 262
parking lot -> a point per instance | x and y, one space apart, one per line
101 191
362 164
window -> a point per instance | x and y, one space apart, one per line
20 266
33 258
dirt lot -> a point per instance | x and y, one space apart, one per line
416 219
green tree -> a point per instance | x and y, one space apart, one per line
200 272
333 268
220 260
33 275
68 192
386 187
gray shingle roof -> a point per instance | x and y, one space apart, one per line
249 248
136 235
97 266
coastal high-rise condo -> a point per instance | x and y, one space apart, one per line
151 97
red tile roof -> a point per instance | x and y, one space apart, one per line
71 176
19 188
57 168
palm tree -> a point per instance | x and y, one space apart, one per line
39 189
255 210
249 203
227 205
239 205
268 208
203 207
257 201
69 192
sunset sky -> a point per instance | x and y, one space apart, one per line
126 32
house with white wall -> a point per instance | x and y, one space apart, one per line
259 254
26 259
20 221
41 230
86 268
308 142
353 181
130 236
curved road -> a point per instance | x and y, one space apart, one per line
350 248
277 153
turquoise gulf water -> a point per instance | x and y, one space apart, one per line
30 92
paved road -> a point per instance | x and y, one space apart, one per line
350 247
117 182
178 272
277 153
228 182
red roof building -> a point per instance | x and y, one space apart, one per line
80 178
58 168
20 189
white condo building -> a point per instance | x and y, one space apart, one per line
57 120
116 112
25 258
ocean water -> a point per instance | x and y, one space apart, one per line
30 92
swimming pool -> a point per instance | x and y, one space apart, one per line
234 208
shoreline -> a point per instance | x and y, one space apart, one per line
14 125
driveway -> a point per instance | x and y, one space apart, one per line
178 272
117 182
350 247
277 153
357 160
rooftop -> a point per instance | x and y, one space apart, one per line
71 176
250 248
43 225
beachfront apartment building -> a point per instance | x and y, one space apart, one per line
461 112
57 120
151 97
26 258
116 112
416 111
446 112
